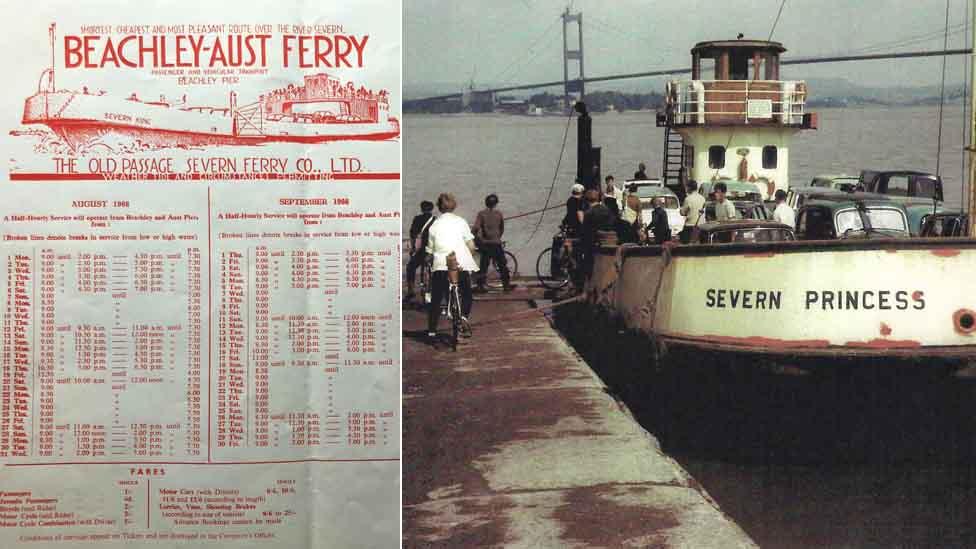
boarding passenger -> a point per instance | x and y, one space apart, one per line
724 208
450 234
659 222
612 198
575 206
630 225
598 218
617 192
783 212
489 227
693 210
418 242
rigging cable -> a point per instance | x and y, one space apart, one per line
780 12
945 46
965 107
555 176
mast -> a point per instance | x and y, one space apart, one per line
969 197
51 31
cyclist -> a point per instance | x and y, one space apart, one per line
418 242
489 227
450 233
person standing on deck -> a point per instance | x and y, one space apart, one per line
783 212
724 208
659 222
612 198
574 212
692 210
489 227
598 218
450 234
418 242
641 173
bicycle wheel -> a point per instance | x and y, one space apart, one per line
544 270
454 305
513 267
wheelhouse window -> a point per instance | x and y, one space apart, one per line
716 157
769 157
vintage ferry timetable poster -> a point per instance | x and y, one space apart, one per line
200 251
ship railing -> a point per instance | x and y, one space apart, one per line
700 102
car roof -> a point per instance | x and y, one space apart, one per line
742 224
832 176
843 200
657 191
645 182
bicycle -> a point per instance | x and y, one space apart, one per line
453 307
493 277
555 270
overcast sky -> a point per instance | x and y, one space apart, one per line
451 41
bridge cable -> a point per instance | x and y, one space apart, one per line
945 45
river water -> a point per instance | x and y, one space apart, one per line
876 462
472 155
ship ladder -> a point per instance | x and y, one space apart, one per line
249 120
674 157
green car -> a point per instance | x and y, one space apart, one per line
841 216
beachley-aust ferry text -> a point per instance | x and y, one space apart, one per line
208 51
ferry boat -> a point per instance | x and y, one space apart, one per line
320 109
907 299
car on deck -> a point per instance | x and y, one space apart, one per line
945 225
844 216
902 183
743 230
648 193
838 182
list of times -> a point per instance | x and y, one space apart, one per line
195 357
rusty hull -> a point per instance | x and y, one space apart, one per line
513 441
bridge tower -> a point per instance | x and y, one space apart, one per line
574 86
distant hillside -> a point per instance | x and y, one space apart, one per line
834 92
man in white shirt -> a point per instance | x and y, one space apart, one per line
783 212
450 233
614 191
693 210
724 208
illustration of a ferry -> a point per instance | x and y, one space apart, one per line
321 109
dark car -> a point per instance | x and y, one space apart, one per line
902 183
945 225
743 230
829 217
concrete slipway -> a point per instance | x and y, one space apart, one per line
514 441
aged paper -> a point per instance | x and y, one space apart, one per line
200 250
